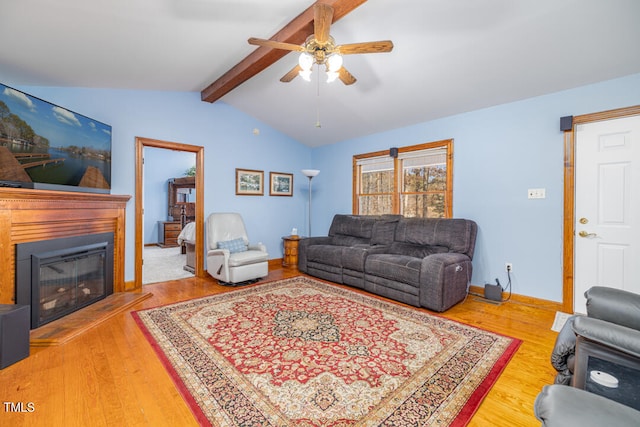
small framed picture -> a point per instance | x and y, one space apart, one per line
249 182
281 184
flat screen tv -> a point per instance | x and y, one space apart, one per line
43 145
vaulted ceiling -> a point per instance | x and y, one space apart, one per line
449 56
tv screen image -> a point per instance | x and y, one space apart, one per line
43 145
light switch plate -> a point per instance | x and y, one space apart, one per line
536 193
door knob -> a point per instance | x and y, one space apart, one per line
586 234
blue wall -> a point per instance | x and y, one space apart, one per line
499 153
229 141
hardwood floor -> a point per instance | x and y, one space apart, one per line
110 375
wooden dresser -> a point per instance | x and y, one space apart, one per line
168 232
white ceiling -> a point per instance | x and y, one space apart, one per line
450 56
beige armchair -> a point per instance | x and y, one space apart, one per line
230 257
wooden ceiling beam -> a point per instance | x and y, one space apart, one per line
295 32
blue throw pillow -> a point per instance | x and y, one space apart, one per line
235 245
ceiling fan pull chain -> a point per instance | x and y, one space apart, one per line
318 125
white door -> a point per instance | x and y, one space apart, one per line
607 207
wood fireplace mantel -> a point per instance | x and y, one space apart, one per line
31 215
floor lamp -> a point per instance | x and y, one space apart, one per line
310 173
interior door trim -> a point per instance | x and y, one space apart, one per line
569 196
199 246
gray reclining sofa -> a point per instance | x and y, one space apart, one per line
419 261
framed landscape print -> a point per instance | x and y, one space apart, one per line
280 184
249 182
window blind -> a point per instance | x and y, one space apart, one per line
375 164
423 158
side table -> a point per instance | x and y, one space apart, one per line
290 258
168 233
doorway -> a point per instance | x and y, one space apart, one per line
141 143
584 236
169 215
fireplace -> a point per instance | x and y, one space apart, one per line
59 276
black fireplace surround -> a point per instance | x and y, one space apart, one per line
59 276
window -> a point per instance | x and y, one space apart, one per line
417 183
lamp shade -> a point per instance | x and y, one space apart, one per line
310 173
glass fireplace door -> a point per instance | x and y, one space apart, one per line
69 282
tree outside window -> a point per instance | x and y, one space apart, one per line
417 183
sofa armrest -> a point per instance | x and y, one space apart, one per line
304 244
257 247
378 249
561 406
218 252
614 305
444 278
621 338
318 240
354 257
218 263
436 263
564 351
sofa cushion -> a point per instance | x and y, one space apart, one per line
352 225
340 240
325 254
417 251
384 230
353 257
247 257
400 268
458 235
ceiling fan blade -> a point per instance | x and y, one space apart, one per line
322 18
366 47
291 74
294 32
275 45
346 77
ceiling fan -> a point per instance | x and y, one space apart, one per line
320 48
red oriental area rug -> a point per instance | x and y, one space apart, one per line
305 353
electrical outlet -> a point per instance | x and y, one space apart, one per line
508 267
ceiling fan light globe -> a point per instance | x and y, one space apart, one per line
332 76
334 62
305 61
305 74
